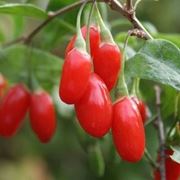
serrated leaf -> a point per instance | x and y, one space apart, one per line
176 154
23 10
158 60
14 64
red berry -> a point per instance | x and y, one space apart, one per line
75 76
3 84
94 109
172 168
142 108
13 109
127 130
94 39
42 116
107 63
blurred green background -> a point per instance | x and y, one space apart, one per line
68 156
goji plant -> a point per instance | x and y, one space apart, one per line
95 83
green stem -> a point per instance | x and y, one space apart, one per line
143 28
29 67
137 87
176 104
106 35
88 28
136 4
150 159
175 115
121 88
80 42
152 119
133 90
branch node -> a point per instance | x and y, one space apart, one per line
50 14
138 33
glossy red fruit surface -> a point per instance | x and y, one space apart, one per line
13 109
94 39
42 116
94 109
107 63
172 168
127 130
75 76
142 108
3 84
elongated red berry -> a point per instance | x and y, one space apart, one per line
75 76
94 109
142 108
107 63
42 116
127 130
172 168
3 84
94 39
13 109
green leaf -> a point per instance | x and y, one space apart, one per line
14 64
42 4
158 60
18 25
176 154
175 38
23 10
2 37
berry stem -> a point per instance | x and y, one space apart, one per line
129 4
177 99
29 67
121 88
150 159
106 35
80 42
135 87
136 4
88 28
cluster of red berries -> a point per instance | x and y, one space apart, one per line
14 105
86 82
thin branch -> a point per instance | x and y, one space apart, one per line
114 5
51 16
18 40
129 14
161 134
